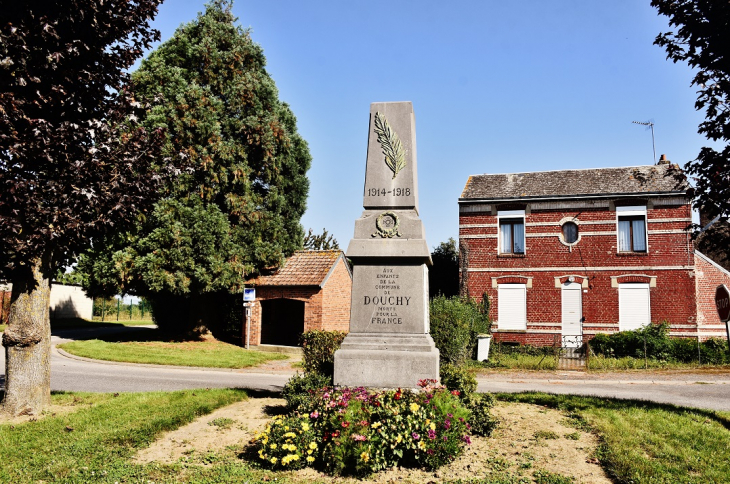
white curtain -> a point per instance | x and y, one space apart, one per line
519 238
506 237
624 236
639 235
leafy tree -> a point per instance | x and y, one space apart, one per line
237 210
73 164
701 38
323 241
443 277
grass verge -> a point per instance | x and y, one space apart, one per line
645 442
207 353
642 443
96 442
73 323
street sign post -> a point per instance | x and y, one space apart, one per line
722 301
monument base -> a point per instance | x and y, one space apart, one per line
386 360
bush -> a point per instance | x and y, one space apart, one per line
455 324
458 379
360 432
482 422
319 348
659 346
300 391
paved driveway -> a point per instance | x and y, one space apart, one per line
709 390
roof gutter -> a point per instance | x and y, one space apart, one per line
571 197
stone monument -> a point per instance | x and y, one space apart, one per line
389 345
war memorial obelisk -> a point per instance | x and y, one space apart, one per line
389 345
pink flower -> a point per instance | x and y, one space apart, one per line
431 434
359 438
314 414
415 436
345 424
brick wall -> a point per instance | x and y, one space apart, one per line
709 276
326 309
594 261
337 295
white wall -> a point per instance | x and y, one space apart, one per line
66 301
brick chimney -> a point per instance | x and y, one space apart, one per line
663 160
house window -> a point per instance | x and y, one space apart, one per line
511 231
512 307
570 232
631 229
634 306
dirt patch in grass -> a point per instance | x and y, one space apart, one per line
530 439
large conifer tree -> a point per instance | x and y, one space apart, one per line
237 210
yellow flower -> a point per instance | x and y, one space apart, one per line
310 459
290 435
273 446
305 426
273 460
414 407
398 439
309 452
421 445
365 457
313 446
286 427
432 426
376 425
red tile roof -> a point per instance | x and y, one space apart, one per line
303 268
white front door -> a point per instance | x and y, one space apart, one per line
572 312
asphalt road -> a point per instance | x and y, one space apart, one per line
710 390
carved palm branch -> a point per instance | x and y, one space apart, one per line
395 158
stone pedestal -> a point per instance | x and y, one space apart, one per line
388 345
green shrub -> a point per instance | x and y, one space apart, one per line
301 390
482 422
319 348
654 340
357 432
459 379
455 324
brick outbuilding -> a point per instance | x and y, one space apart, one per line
564 255
311 290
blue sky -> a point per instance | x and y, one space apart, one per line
497 87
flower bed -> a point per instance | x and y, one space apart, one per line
356 431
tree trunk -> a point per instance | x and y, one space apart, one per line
27 342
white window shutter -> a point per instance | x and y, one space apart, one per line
512 307
634 306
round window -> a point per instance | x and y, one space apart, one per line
570 232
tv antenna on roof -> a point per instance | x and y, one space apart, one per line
650 125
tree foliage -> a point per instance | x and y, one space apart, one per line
323 241
71 167
237 210
701 37
443 276
74 165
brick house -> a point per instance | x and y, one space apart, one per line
310 291
564 255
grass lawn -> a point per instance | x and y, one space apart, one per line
642 443
647 442
206 353
73 323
